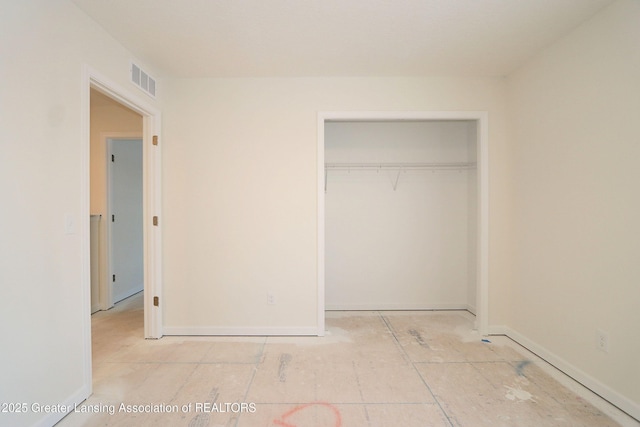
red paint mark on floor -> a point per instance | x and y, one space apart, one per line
287 419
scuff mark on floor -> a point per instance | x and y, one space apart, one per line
203 419
285 359
518 394
520 367
418 337
331 415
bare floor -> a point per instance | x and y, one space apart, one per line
371 369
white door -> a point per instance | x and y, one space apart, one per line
125 216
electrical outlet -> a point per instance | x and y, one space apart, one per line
602 340
271 298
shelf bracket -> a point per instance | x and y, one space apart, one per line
395 184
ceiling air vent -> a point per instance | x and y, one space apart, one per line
144 81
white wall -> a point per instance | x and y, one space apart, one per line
240 180
576 235
44 291
403 248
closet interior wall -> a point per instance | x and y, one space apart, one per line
401 215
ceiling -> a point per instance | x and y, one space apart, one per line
300 38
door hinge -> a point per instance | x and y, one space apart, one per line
155 139
113 158
113 218
155 220
156 301
113 278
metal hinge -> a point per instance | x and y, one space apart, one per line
113 218
156 301
155 139
114 278
155 220
113 158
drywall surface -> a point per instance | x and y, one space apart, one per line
240 182
44 291
576 234
397 238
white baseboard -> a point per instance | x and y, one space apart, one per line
470 308
499 330
394 306
240 331
71 402
625 404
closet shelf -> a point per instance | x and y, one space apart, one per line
397 167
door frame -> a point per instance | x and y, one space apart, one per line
152 246
106 284
482 263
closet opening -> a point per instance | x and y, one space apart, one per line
402 208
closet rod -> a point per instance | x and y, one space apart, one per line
398 167
401 166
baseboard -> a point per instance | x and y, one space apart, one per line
470 308
71 402
625 404
240 331
498 330
394 306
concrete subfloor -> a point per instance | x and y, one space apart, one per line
389 368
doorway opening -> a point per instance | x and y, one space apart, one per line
409 200
150 117
116 177
151 204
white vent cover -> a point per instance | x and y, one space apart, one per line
144 81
